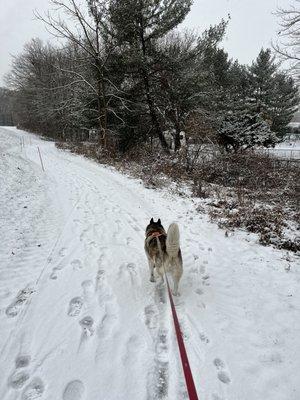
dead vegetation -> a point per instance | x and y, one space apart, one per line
254 192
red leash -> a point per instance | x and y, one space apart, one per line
184 358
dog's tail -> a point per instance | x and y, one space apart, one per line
172 242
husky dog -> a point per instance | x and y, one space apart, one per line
163 251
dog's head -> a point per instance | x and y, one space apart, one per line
154 227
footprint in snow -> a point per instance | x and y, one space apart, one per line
161 346
199 292
162 364
222 375
18 379
150 316
162 376
53 275
99 279
14 308
74 391
22 361
160 293
34 390
203 337
201 305
159 376
219 363
202 269
62 252
87 325
131 267
129 270
75 306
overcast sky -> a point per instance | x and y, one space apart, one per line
252 26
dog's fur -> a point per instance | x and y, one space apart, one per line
163 251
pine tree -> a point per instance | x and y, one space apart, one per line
273 94
241 131
284 103
262 74
238 92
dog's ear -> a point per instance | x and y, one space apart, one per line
151 221
159 221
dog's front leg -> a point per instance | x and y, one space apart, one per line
160 272
151 267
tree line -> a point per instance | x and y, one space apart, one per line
124 71
6 116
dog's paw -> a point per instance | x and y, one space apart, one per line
152 279
176 294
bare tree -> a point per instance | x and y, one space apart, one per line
85 31
5 106
288 44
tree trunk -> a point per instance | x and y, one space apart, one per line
149 98
177 135
101 104
153 115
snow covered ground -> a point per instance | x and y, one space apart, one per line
288 149
79 319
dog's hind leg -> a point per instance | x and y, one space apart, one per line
176 275
176 283
162 279
159 271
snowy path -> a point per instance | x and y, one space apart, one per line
79 319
